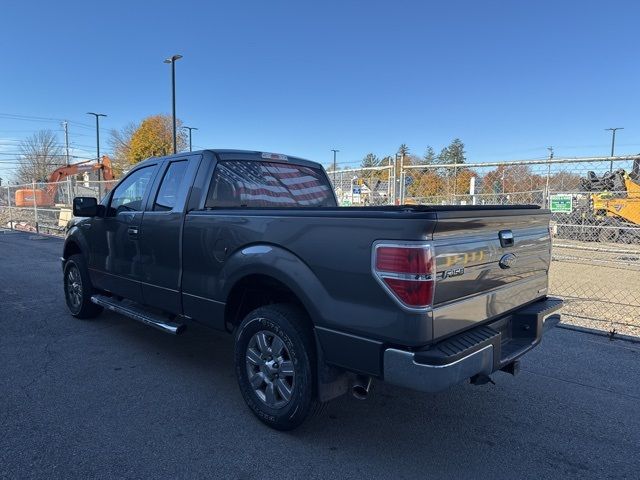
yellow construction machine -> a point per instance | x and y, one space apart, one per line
615 203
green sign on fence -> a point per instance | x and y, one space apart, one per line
561 203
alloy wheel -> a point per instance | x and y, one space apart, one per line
74 287
270 369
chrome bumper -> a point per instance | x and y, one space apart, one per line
401 369
479 351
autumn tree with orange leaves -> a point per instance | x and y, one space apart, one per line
153 137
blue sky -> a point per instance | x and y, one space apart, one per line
509 78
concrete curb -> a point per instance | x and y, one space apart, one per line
599 333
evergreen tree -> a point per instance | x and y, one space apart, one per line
456 152
370 160
429 156
452 154
403 149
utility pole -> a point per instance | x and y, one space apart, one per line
98 115
172 60
613 143
334 167
66 143
190 128
66 139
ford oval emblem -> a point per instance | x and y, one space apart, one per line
507 261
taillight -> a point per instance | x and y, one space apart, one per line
407 272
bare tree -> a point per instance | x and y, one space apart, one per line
40 155
120 143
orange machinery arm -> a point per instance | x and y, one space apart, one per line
63 172
107 171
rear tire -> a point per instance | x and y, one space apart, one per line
275 365
78 288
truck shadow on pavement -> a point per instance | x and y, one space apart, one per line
466 430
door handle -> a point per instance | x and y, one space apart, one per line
506 238
132 231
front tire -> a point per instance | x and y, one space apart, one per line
78 289
275 365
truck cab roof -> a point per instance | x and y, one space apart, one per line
245 155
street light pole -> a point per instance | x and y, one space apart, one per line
172 61
613 143
334 167
190 128
98 115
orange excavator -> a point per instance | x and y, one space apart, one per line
46 197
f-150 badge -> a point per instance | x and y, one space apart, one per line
453 272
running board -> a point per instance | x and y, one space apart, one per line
138 313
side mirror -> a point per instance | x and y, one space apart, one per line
85 207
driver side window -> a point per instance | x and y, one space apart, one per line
128 196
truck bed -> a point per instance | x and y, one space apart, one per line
335 244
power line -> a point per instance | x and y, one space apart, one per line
32 118
37 154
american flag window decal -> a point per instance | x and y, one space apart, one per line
268 184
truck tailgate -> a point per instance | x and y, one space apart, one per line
481 274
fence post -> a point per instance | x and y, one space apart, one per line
547 196
455 183
10 214
388 185
402 179
69 197
472 190
393 180
35 204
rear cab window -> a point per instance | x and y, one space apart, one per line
264 184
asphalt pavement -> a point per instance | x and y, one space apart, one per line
112 398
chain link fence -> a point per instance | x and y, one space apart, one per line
595 205
363 186
45 207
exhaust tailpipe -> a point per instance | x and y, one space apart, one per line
361 386
481 379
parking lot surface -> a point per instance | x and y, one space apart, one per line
112 398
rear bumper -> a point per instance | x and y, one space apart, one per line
481 350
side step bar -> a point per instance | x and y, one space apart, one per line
138 313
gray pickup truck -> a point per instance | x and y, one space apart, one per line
320 299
